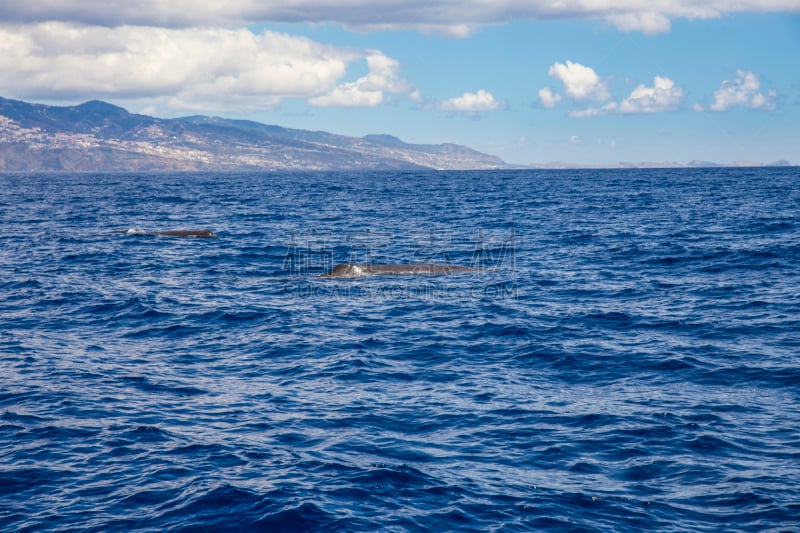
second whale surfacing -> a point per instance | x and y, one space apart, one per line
203 233
207 233
352 270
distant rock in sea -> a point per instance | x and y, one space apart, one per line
663 164
702 164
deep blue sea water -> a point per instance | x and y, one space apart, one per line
628 359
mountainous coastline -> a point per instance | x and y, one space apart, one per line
98 136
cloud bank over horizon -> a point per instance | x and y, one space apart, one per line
204 69
190 68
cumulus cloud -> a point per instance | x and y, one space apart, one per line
744 91
369 90
442 16
609 108
581 83
472 102
211 68
664 95
548 98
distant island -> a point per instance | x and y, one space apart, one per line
663 164
98 136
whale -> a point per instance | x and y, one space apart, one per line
203 233
206 233
352 270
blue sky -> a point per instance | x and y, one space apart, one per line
533 82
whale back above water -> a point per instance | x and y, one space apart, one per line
204 233
207 233
351 270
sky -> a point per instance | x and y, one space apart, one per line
589 82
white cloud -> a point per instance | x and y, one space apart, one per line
451 17
743 92
581 83
662 96
472 103
452 31
189 68
647 22
609 108
548 98
348 95
369 90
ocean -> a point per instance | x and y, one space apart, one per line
624 356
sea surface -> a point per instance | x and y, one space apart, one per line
626 357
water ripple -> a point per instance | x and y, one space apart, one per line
636 369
